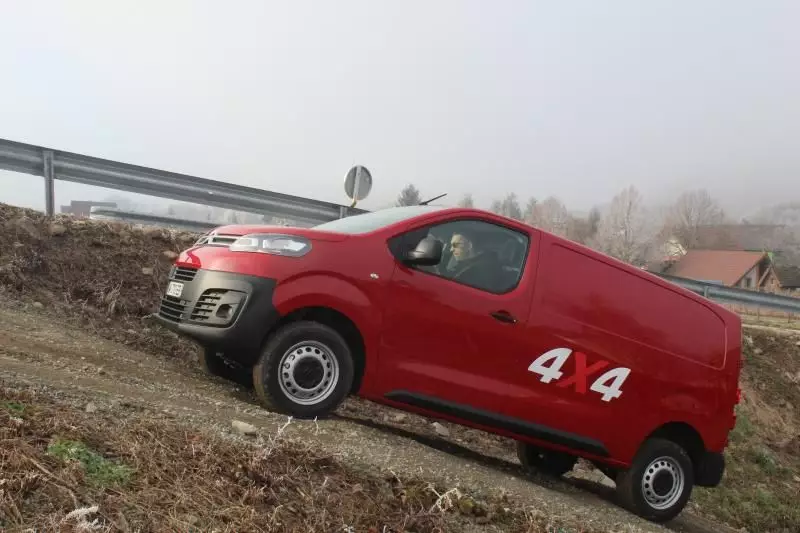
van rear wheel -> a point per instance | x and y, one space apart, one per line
548 462
659 483
305 370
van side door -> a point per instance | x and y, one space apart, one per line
448 329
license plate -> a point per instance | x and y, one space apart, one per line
175 289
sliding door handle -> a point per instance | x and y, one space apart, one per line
504 316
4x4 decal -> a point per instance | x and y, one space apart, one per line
609 384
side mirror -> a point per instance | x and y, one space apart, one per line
427 253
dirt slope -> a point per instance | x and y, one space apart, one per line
39 353
763 475
74 294
105 276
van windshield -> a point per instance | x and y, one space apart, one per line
375 220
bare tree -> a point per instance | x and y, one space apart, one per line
692 210
551 215
530 210
579 230
594 221
624 231
466 201
410 195
582 230
508 207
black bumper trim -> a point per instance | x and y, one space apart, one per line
250 308
490 419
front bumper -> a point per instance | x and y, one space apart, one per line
231 313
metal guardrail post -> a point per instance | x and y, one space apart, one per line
49 183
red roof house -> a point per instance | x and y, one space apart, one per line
732 268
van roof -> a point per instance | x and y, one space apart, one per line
367 222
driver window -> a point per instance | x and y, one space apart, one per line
479 254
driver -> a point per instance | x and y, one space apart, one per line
463 250
468 263
463 254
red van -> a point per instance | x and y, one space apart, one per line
467 316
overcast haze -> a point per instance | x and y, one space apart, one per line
573 99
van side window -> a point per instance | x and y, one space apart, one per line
479 254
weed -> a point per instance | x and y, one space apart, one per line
15 408
100 471
764 459
744 428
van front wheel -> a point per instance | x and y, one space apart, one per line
548 462
305 370
659 482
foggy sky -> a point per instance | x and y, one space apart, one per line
576 99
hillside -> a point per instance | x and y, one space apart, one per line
104 278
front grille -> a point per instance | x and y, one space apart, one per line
184 273
206 305
171 308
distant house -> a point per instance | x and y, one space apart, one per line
745 244
732 268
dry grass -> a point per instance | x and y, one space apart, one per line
791 323
762 480
65 470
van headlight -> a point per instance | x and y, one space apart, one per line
288 245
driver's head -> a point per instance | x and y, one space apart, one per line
461 246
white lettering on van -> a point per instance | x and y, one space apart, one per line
558 356
609 384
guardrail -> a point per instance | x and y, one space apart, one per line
67 166
730 295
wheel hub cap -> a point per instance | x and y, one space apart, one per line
308 372
663 483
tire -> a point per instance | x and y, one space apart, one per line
548 462
214 365
305 370
659 483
